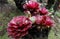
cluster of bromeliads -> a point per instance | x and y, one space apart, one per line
36 20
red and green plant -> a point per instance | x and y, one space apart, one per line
37 16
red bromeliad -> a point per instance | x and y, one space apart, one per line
31 5
43 20
43 11
19 26
48 21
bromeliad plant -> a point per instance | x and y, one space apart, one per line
37 19
19 26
